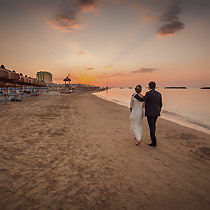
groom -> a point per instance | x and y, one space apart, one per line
153 105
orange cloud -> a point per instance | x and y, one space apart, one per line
144 70
91 68
87 6
65 24
81 53
89 9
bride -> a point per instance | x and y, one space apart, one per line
136 116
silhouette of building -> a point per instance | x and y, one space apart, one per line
44 76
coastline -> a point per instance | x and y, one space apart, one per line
187 124
172 117
76 152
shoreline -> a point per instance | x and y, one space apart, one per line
187 124
77 152
164 116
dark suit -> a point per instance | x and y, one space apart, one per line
153 105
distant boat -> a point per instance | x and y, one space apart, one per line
205 87
176 87
130 88
121 87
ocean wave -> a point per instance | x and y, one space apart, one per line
185 119
170 113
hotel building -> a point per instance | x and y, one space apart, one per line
44 76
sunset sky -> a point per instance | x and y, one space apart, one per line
108 42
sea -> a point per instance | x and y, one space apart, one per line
188 107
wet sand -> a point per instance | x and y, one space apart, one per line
77 152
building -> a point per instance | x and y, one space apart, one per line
44 76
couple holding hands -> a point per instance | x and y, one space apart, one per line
152 102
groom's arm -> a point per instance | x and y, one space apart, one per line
141 99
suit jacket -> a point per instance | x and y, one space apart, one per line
153 103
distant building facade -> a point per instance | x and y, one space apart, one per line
44 76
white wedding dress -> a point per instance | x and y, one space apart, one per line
136 117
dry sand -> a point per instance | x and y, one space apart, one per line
76 152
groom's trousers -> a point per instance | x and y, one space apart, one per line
152 127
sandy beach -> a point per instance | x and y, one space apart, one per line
77 152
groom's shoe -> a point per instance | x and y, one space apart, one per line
152 145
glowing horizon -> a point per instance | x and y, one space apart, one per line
108 42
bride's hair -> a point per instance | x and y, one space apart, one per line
138 88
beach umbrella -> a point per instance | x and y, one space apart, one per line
4 74
35 82
13 75
41 84
20 81
7 75
28 81
10 78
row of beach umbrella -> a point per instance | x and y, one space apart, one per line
9 78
